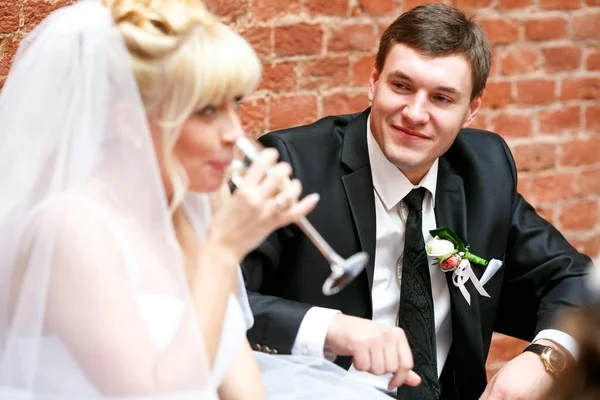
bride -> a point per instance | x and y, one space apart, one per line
119 255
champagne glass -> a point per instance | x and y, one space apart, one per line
343 271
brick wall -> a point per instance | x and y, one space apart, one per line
543 95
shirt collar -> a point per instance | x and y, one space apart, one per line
384 171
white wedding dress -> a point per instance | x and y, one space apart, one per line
160 313
284 377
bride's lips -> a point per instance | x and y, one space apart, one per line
220 165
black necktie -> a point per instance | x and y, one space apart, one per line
416 314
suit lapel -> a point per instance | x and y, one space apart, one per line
467 346
358 184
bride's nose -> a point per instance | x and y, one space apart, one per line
232 128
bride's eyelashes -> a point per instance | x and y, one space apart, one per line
207 111
210 110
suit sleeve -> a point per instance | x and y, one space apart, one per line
544 274
276 320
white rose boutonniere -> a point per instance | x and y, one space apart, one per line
453 256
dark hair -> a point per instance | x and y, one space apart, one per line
438 30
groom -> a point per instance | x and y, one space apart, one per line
389 175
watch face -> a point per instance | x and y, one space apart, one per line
557 361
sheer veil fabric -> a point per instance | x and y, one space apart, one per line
94 302
90 265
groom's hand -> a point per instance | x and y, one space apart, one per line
377 348
523 377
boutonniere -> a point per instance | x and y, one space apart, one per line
452 255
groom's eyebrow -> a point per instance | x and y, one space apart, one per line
448 89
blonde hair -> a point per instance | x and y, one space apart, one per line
183 59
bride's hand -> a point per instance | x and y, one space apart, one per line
266 201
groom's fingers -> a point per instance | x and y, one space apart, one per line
405 361
398 379
412 379
391 357
377 354
361 359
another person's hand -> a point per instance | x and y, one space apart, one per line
524 377
266 201
376 348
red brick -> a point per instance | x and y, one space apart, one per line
300 39
35 11
501 30
510 125
562 58
410 4
593 2
325 7
8 48
589 182
520 61
381 28
524 188
559 4
377 7
471 4
546 28
580 89
535 91
535 157
252 113
279 77
592 246
592 118
512 4
495 63
228 10
352 37
267 10
343 103
580 215
581 152
260 39
292 111
361 70
2 80
481 121
558 186
326 73
587 26
546 212
497 94
566 118
9 16
593 60
502 349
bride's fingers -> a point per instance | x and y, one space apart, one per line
259 167
300 209
277 180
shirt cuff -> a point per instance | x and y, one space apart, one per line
310 340
560 338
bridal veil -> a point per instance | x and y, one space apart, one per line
82 210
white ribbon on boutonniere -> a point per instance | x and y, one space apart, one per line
453 256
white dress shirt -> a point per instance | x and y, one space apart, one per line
391 215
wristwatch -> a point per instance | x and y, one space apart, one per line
554 360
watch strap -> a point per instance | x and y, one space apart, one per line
536 348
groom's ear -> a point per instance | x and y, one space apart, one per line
474 108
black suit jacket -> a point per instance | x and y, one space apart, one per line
476 197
